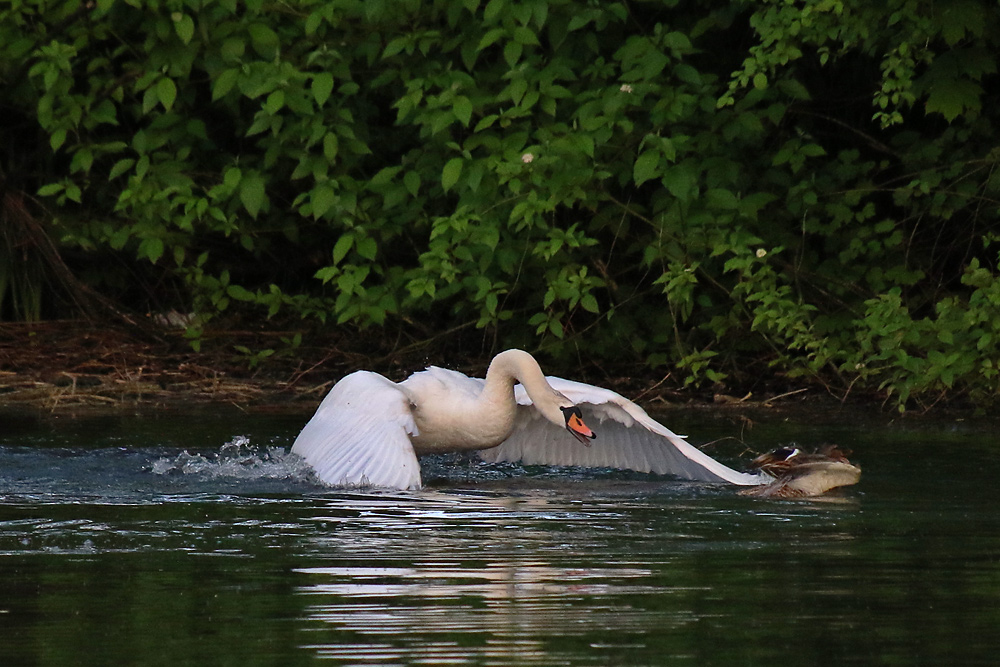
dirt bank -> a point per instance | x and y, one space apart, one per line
69 364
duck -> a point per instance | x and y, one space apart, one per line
370 431
796 473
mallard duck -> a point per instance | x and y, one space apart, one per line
799 474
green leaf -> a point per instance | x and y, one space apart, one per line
104 112
793 89
645 167
366 247
517 89
556 327
412 182
493 10
525 36
232 177
120 168
462 108
384 176
240 293
687 74
264 40
150 99
224 83
812 150
486 122
374 9
151 248
233 48
274 102
452 170
719 198
330 146
512 53
679 181
322 86
581 19
184 25
166 91
58 138
313 22
83 159
322 198
342 247
50 189
396 46
261 123
252 193
490 38
120 237
951 97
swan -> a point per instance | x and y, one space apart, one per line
369 431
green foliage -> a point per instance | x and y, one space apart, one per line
621 180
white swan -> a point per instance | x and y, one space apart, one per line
368 431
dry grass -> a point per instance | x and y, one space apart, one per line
53 365
63 364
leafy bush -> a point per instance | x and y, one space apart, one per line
625 180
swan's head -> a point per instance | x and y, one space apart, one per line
574 424
518 366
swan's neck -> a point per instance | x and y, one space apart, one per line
517 366
507 369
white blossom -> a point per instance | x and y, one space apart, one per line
626 88
527 158
761 252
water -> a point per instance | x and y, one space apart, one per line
193 538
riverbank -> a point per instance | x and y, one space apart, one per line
71 365
65 364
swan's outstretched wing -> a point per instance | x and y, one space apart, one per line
627 438
360 435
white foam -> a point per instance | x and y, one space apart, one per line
236 459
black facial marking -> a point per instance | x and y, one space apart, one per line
570 411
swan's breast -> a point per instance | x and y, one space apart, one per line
458 426
450 415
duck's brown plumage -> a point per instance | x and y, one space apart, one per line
799 474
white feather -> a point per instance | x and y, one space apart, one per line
360 435
627 438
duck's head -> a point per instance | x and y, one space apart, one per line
799 474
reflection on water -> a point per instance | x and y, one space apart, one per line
616 569
174 540
471 567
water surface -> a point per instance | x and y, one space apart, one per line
194 538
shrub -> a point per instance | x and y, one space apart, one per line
624 180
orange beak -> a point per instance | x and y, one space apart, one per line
576 426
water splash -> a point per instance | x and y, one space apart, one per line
237 459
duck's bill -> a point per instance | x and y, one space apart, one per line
576 426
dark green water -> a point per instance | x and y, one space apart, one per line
192 538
